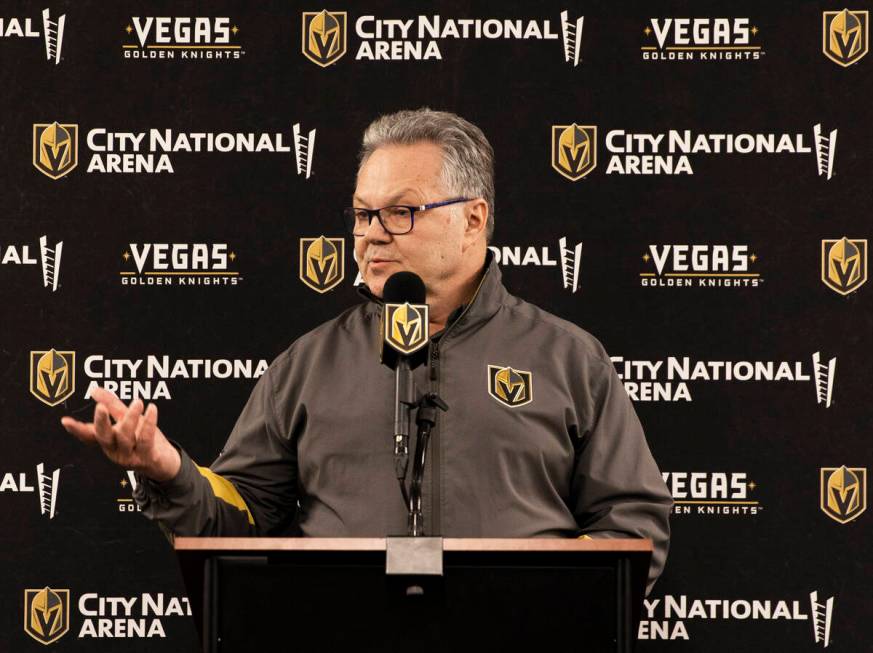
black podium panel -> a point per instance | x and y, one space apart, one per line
496 604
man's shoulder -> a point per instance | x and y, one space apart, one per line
350 323
548 327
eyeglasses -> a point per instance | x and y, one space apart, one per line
396 220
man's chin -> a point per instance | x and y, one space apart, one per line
376 289
378 275
375 284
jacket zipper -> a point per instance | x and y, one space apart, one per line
436 496
436 434
434 361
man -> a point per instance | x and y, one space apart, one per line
540 438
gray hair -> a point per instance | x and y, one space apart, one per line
468 158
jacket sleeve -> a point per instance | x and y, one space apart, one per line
250 489
617 489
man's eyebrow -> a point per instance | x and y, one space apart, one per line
360 201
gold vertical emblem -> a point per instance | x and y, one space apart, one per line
46 614
843 492
844 264
322 262
405 326
324 36
52 375
510 386
845 35
55 148
574 150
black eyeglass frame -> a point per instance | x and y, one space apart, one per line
375 213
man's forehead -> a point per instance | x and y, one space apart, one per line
392 171
408 193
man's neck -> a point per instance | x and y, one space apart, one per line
442 305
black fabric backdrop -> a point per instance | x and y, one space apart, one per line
516 90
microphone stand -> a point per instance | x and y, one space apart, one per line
426 420
404 389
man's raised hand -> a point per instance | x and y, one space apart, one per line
134 441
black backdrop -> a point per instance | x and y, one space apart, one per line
771 439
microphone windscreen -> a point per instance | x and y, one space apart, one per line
404 287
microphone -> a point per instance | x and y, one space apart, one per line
404 335
404 286
405 320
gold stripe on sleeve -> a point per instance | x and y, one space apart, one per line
224 490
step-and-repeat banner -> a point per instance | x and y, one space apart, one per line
689 181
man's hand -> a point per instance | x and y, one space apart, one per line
134 441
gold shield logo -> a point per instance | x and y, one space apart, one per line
46 614
844 264
843 492
845 35
405 327
509 386
574 150
55 148
322 262
324 36
52 375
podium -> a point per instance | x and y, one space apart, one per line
414 594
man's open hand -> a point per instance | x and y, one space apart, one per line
134 441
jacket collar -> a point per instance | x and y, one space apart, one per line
487 300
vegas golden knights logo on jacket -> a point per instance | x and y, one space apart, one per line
405 327
844 264
322 262
46 614
845 35
324 36
574 150
843 492
509 386
55 148
52 375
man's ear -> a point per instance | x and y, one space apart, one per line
476 219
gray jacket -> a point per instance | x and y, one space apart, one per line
550 447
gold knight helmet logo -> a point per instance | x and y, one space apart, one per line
324 36
843 492
52 375
509 386
46 614
845 35
322 262
574 150
406 326
55 148
844 264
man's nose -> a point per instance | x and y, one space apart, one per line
376 232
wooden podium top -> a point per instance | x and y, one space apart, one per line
379 544
599 583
